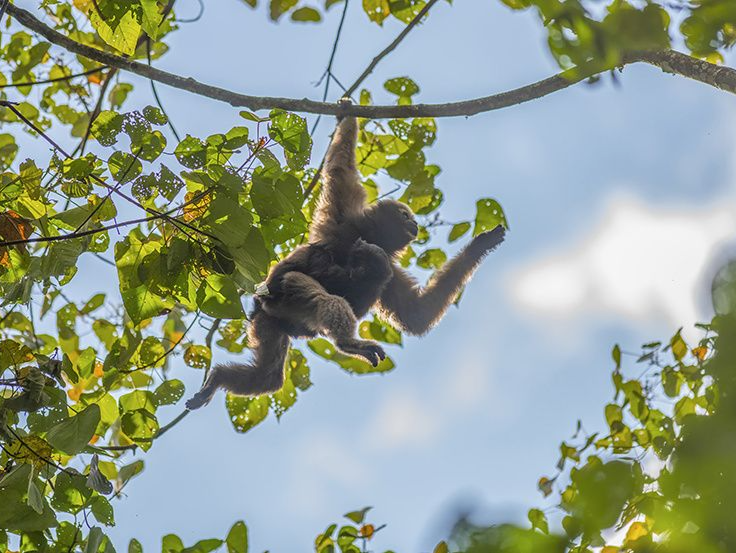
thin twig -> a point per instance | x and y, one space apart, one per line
55 79
390 48
95 111
196 17
161 431
328 72
156 97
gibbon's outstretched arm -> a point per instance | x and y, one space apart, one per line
416 310
343 195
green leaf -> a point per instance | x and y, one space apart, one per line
152 17
35 499
538 520
73 434
403 87
153 114
125 35
140 426
169 392
489 215
203 546
124 167
135 546
191 152
432 259
71 493
129 471
458 230
171 543
306 14
616 354
218 296
352 365
280 7
358 516
94 540
679 347
377 10
246 412
237 538
291 132
102 510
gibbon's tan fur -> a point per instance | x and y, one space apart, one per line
347 268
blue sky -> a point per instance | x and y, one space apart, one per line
620 200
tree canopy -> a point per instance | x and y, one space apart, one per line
202 219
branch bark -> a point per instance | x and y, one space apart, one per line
669 61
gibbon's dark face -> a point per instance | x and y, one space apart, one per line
391 225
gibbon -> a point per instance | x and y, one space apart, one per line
347 268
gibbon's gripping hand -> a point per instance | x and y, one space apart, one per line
344 101
486 242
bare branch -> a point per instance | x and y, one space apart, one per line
670 61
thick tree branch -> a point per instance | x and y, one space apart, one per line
670 61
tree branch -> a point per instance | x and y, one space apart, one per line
670 61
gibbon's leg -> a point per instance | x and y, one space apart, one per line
343 195
307 303
263 375
415 309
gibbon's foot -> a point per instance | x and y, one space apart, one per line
487 241
371 351
200 399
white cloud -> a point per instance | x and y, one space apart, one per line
403 418
643 262
400 420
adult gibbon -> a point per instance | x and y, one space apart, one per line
346 269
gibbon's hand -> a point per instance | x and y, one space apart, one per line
344 101
488 241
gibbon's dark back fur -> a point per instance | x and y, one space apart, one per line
346 270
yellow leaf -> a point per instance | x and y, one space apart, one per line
610 549
440 548
98 371
32 450
75 392
195 209
545 486
367 531
700 352
636 530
